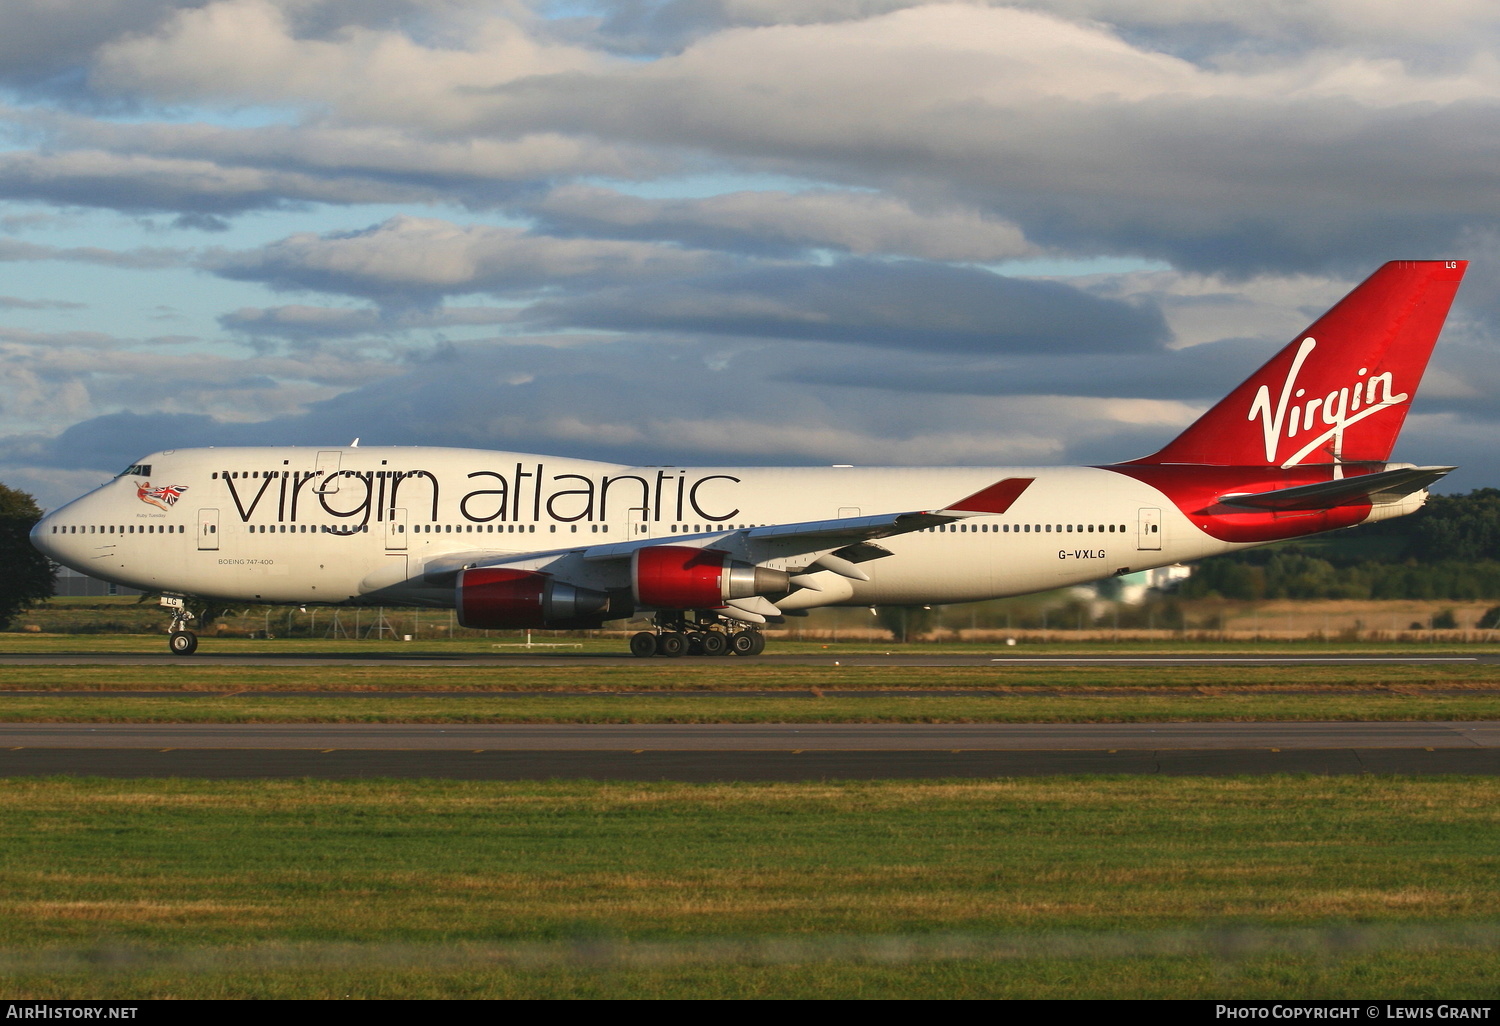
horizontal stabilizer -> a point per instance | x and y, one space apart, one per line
1372 489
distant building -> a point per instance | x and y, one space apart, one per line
1132 589
72 584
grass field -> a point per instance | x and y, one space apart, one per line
1043 887
1039 887
700 691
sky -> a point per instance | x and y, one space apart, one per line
871 232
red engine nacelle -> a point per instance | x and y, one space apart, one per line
681 577
500 598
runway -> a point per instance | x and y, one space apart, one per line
723 752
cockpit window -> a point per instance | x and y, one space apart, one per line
138 469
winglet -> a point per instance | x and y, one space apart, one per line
997 498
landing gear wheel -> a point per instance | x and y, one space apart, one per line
182 642
643 645
760 642
695 645
670 645
742 643
715 644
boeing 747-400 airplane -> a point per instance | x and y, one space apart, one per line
712 554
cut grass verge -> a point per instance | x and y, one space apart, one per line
712 693
830 707
1142 887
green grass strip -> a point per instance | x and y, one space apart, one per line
1266 886
710 708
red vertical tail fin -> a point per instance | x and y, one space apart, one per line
1340 391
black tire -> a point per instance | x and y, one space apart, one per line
715 644
742 643
643 645
183 642
695 645
760 642
670 645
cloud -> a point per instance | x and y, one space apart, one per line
207 166
15 303
251 51
313 322
419 259
633 404
132 182
904 304
143 258
49 380
1080 138
41 40
772 221
1241 31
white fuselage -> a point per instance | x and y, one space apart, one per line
364 525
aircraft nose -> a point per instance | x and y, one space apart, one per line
44 537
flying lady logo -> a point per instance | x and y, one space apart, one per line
1336 411
164 497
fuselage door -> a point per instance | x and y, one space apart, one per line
327 472
208 529
639 524
1150 529
395 530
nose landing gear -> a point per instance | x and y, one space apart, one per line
706 634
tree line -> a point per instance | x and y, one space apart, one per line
1450 549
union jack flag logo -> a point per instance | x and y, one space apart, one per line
164 497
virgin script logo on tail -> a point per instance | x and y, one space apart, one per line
1334 412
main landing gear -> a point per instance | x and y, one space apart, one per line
180 640
704 635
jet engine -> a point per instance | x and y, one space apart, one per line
501 598
682 577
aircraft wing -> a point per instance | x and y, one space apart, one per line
836 544
1375 489
840 543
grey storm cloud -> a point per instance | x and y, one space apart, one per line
42 41
1220 184
1199 373
905 304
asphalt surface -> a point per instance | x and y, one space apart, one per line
715 752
